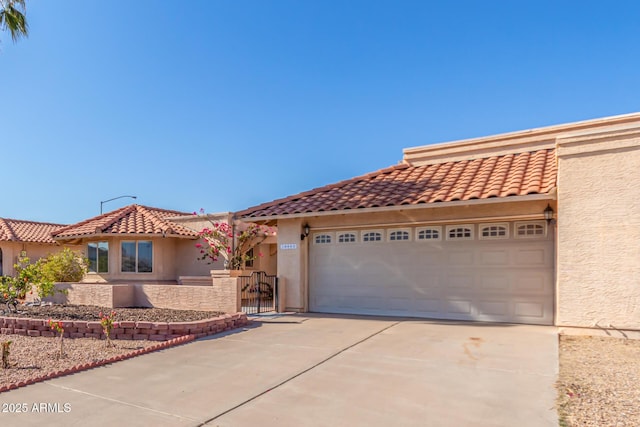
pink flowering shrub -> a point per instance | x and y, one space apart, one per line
220 241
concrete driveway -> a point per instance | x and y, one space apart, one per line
317 370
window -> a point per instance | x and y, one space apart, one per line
98 254
137 257
349 237
320 239
372 236
397 235
530 229
460 232
494 231
428 233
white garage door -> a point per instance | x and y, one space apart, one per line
487 272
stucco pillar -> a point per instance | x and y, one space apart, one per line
291 264
599 228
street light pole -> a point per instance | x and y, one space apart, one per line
115 198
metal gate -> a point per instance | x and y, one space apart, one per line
258 292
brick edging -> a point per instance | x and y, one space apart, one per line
82 367
126 330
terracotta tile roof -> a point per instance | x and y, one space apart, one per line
132 219
516 174
15 230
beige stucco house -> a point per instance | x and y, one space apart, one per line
145 244
540 227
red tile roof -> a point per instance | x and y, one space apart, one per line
132 219
15 230
498 176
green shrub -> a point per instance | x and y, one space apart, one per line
65 266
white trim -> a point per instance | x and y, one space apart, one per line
451 228
482 227
436 228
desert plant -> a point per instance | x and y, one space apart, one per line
108 323
5 354
58 327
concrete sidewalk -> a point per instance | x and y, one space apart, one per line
314 370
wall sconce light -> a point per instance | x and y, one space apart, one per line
548 214
305 232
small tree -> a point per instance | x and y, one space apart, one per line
221 241
108 323
58 327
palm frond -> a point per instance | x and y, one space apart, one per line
13 19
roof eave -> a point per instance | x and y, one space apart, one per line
551 195
125 235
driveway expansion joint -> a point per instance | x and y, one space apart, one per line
145 408
323 361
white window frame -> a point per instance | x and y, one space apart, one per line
321 234
482 227
457 226
430 228
364 234
399 230
344 233
517 235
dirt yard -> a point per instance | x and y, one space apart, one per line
599 382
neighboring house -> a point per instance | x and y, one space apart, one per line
144 244
540 227
19 238
135 243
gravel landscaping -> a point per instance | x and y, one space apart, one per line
91 313
33 358
599 381
36 357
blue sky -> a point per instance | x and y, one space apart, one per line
223 105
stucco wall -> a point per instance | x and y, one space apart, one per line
164 260
222 295
35 251
599 230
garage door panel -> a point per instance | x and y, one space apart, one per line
532 283
494 257
509 280
426 306
460 258
453 306
530 309
499 282
531 257
493 308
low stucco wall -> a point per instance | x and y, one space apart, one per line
223 295
598 263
